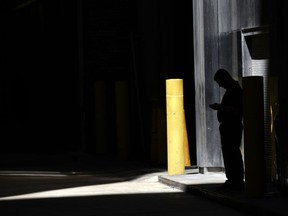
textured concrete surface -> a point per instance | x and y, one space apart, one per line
208 185
112 190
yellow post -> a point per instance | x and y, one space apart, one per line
122 119
187 161
254 137
100 97
175 126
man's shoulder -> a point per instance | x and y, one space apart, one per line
236 86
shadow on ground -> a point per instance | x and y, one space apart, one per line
155 204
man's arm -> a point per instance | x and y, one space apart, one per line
223 108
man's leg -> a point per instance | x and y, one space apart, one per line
231 141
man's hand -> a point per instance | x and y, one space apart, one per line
215 106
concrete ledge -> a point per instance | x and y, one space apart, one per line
268 205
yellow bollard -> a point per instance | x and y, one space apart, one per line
175 126
100 97
254 137
187 161
122 119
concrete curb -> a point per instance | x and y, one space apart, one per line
242 203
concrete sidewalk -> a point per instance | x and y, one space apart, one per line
46 180
109 189
208 185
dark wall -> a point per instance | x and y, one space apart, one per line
142 43
107 58
59 59
165 50
39 82
279 68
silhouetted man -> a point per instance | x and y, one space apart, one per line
229 114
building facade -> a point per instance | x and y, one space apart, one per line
238 36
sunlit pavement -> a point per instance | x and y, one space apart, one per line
115 191
143 184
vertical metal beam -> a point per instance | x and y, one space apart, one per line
199 68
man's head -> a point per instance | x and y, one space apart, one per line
223 78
